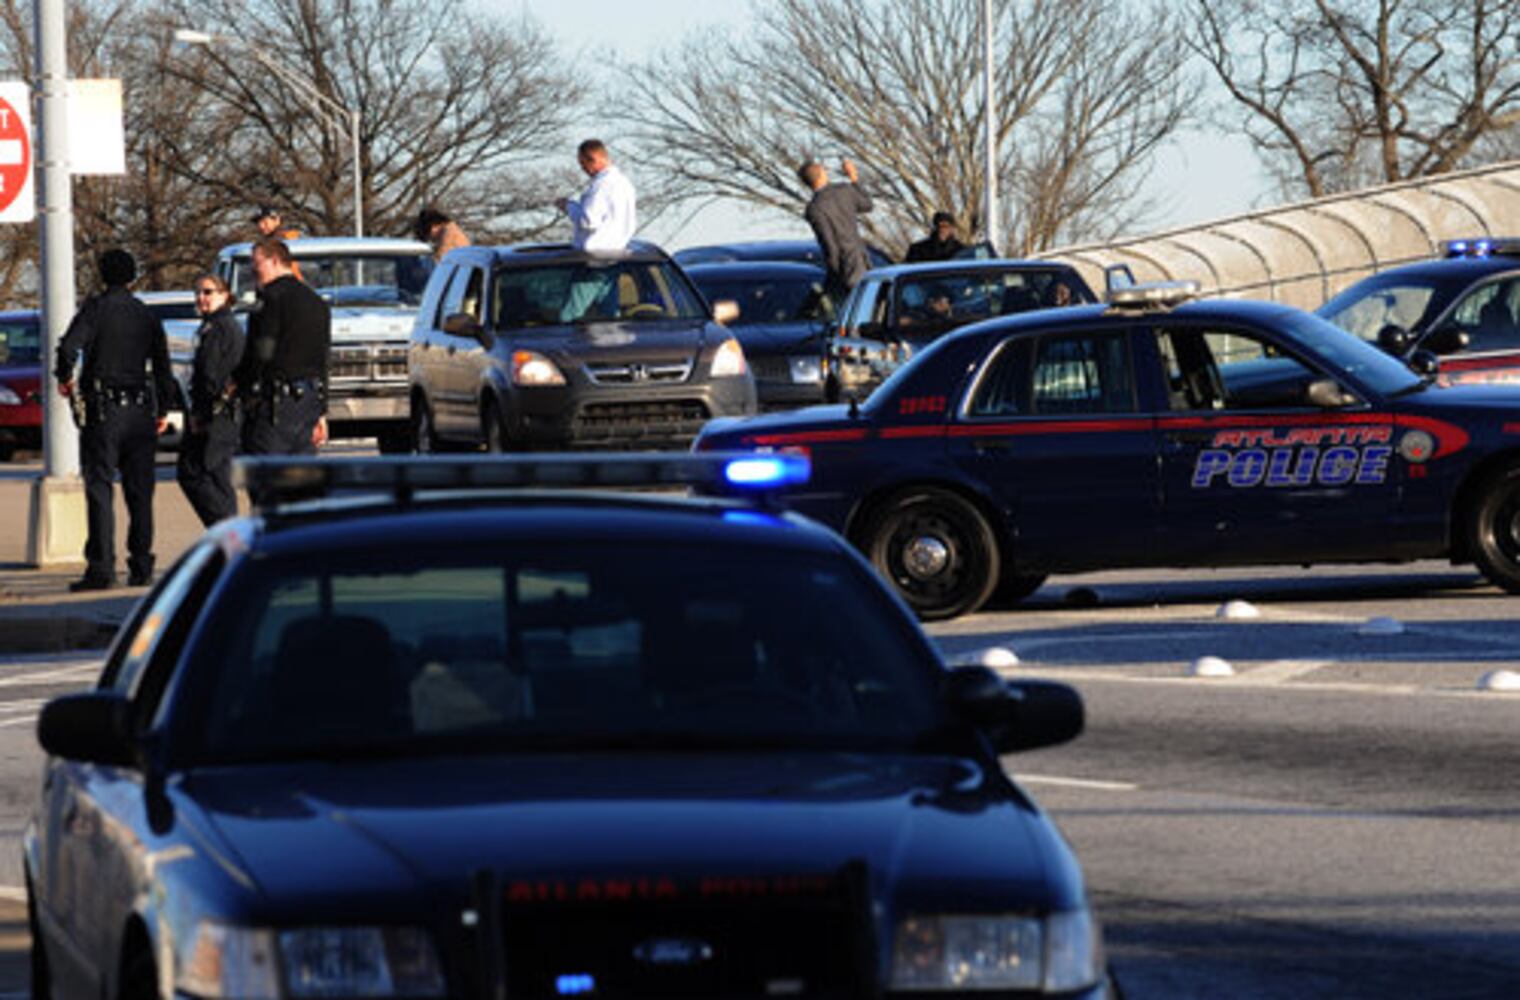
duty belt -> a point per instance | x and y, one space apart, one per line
122 395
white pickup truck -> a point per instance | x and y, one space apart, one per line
373 285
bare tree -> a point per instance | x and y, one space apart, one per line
1085 90
1340 95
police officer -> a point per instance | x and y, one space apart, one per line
211 421
283 375
124 413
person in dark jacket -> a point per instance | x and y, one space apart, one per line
940 244
211 421
282 379
124 414
832 213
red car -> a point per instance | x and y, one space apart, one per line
20 381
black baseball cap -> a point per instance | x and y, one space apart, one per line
943 217
263 211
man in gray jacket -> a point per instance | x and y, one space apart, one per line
832 213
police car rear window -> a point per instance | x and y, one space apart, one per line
570 646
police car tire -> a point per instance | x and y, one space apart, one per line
1495 529
972 570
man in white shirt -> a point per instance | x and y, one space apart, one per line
604 215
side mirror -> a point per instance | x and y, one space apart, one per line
1446 340
1394 339
725 311
465 325
1049 713
1327 394
871 331
979 696
93 727
1424 363
1117 276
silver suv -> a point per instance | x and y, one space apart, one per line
373 285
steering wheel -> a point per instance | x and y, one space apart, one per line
643 309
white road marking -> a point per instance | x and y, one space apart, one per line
1279 671
1243 681
14 893
73 672
1102 786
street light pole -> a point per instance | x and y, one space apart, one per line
989 100
333 113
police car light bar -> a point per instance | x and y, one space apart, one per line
273 482
1153 294
1482 246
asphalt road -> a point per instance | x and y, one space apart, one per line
1336 819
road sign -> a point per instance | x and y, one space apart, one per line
17 203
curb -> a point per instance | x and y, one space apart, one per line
54 633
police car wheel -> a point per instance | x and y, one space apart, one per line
1014 587
1495 530
936 549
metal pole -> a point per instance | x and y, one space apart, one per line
60 454
353 117
990 171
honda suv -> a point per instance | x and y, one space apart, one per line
546 346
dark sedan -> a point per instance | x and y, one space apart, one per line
20 381
1462 309
479 742
783 316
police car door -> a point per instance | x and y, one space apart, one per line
1252 470
1488 317
1053 428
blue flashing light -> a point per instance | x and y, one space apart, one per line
1482 247
578 984
767 471
1456 248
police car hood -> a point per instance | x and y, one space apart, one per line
367 324
1468 398
649 824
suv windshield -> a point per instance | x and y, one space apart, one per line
769 300
19 344
593 292
349 280
563 646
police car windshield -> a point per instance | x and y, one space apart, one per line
569 645
593 292
1353 357
1365 308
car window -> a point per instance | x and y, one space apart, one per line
1087 372
452 290
367 279
1003 388
1230 370
1488 316
162 620
20 342
1364 309
593 291
559 646
866 307
954 298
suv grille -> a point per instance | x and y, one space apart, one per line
636 373
771 368
631 422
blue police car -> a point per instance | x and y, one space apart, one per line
416 731
1152 431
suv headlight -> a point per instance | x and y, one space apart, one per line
532 368
806 368
318 962
729 361
9 396
1056 954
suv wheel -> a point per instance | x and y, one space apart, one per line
936 549
493 428
424 440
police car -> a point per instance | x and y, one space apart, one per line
1152 431
1462 309
439 727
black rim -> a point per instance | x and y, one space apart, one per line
930 553
1503 527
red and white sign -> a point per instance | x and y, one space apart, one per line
16 201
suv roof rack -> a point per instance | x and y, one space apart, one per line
276 482
1151 295
1482 246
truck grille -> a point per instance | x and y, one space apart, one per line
367 363
630 374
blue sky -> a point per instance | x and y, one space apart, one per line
1202 175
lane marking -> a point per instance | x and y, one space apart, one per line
78 671
1279 671
15 894
1048 779
1244 682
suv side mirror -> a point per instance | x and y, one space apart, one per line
1446 340
725 311
93 727
465 325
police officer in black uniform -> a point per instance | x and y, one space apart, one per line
124 413
283 376
211 421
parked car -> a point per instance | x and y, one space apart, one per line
1155 431
474 743
373 285
800 251
176 310
895 312
1461 308
20 381
784 315
546 346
